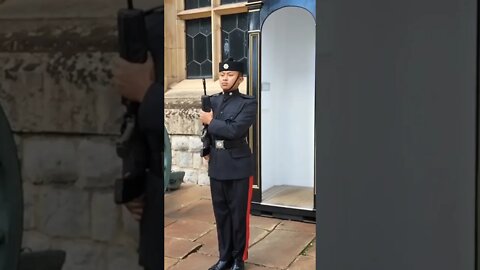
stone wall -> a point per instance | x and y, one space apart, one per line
181 120
55 86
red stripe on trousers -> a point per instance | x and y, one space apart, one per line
247 235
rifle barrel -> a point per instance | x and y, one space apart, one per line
204 87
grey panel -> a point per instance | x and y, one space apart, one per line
396 122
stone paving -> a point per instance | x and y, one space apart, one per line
191 244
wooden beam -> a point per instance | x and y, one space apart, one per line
216 44
197 13
231 9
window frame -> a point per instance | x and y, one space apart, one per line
214 12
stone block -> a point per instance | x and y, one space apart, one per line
180 143
59 93
59 167
99 164
35 241
203 179
105 217
191 176
195 144
82 254
122 258
30 198
64 212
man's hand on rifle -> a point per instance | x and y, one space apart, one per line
135 208
206 117
132 80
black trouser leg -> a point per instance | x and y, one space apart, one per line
222 218
238 203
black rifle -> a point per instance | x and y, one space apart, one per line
206 107
133 146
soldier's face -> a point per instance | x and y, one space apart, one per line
230 79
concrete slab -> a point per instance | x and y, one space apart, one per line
185 195
188 229
179 248
296 226
312 249
280 248
209 244
200 210
169 262
168 221
303 263
195 262
264 223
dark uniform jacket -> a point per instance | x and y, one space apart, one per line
233 114
151 123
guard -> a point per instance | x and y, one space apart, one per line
231 165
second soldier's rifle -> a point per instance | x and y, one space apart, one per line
206 107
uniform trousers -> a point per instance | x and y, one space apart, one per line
231 206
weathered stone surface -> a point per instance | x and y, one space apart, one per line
197 161
179 248
59 93
99 164
264 223
122 258
288 245
180 143
191 176
297 226
35 241
188 229
30 198
195 262
130 227
59 167
203 178
185 195
169 262
195 144
105 217
182 121
184 159
82 255
303 262
58 35
65 9
64 212
202 211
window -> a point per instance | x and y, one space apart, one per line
230 1
213 34
199 48
235 38
191 4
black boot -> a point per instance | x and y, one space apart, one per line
221 265
238 265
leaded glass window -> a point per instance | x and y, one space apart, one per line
199 48
235 38
232 1
190 4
